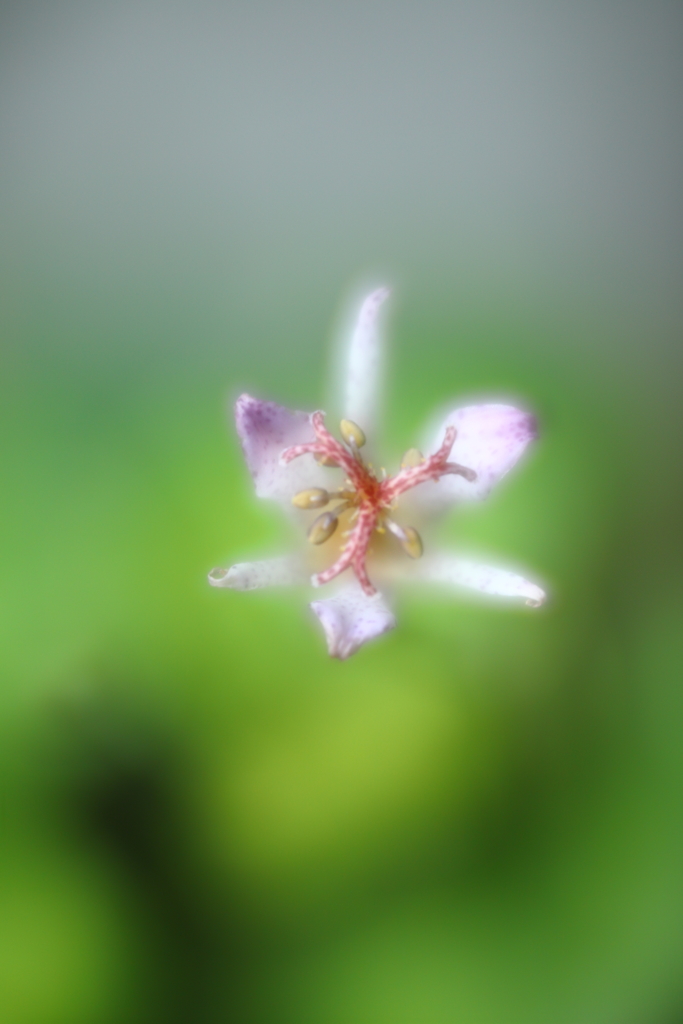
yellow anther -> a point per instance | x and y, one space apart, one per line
407 536
412 458
314 497
352 433
325 460
412 542
322 528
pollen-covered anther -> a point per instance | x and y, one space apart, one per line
322 528
408 537
325 460
352 434
413 457
313 497
412 544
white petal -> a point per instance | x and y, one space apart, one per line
489 440
350 619
273 572
461 572
365 364
265 430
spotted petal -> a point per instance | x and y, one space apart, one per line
265 430
490 439
462 572
272 572
350 619
363 370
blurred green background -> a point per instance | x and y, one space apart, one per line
479 818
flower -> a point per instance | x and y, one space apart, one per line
295 460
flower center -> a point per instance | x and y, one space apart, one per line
368 497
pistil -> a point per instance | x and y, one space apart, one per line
370 497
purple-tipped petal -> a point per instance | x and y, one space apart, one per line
265 430
273 572
461 572
364 364
350 619
489 440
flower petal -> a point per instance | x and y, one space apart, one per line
265 430
364 364
489 440
461 572
350 619
273 572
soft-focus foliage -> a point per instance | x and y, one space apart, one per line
204 818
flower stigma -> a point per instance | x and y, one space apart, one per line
369 498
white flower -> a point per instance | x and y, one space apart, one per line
295 460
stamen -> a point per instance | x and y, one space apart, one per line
394 528
413 457
412 545
313 497
325 460
352 433
322 528
408 537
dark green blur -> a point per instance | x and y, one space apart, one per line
477 819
